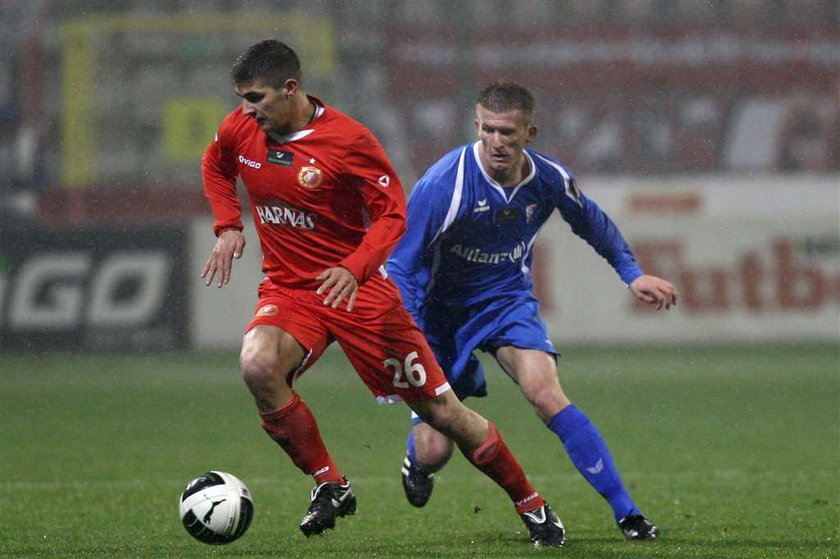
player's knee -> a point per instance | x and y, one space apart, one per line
433 458
432 449
543 391
548 403
259 369
463 426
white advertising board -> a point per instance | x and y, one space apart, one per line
219 315
754 260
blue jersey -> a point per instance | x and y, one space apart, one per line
470 240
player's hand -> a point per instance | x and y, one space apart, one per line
654 291
339 285
229 245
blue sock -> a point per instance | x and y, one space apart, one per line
590 455
410 447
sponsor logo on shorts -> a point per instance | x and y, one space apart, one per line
268 310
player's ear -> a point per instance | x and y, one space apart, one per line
532 133
477 121
292 86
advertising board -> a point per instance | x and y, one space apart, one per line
92 288
755 260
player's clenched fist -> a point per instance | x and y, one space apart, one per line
654 291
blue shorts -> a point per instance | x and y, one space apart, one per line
454 333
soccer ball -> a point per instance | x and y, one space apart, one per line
216 508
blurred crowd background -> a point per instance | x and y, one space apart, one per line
107 105
708 129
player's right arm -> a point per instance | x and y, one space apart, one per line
428 206
219 173
229 245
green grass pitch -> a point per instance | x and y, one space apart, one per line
734 452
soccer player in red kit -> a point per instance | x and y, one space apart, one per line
329 208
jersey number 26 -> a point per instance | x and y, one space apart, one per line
409 373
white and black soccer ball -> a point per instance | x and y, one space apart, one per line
216 508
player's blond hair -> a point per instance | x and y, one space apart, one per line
502 96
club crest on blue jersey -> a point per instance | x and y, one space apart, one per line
530 212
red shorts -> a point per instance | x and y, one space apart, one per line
381 340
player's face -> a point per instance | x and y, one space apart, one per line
503 139
271 108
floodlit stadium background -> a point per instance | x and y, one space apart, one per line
708 130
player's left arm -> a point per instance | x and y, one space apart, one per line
367 164
592 224
654 291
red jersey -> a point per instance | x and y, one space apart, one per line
321 197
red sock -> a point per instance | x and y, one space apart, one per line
495 459
294 428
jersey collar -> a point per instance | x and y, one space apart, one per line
499 188
285 138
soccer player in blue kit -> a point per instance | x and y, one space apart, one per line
463 268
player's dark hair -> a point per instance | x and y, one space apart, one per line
502 96
271 62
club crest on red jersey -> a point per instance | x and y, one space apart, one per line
310 177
